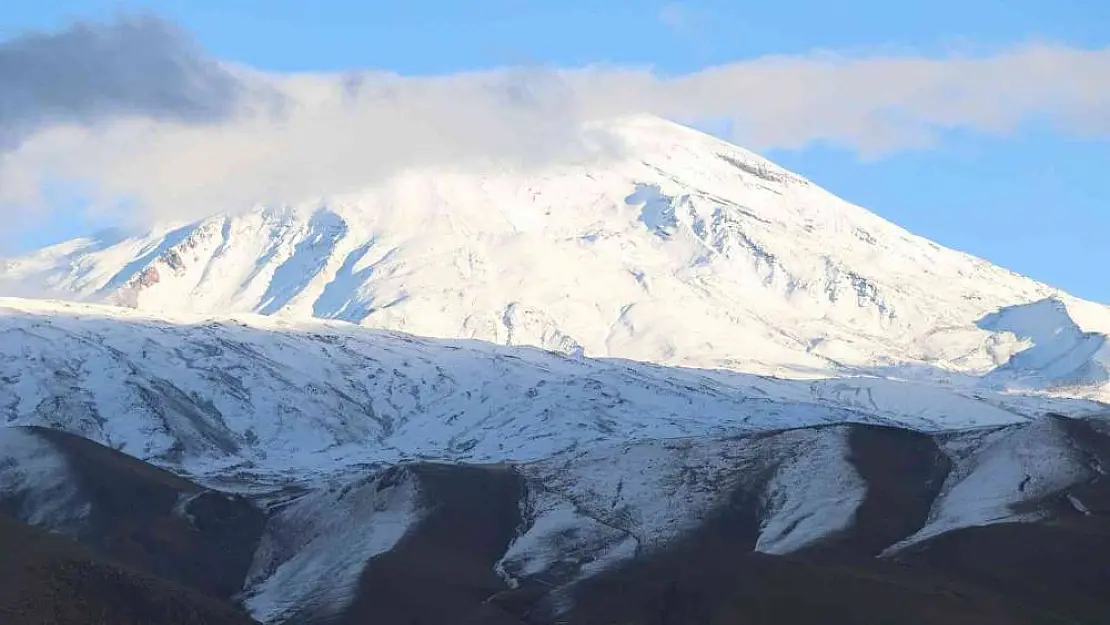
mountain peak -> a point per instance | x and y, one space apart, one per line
682 250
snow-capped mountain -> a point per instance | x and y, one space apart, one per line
573 389
684 250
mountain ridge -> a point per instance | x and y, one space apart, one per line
900 513
298 397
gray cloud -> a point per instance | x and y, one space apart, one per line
339 133
90 73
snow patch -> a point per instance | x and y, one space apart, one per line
316 548
559 541
814 493
36 477
1059 353
995 472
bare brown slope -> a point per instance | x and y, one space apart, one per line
158 522
46 579
1064 566
706 584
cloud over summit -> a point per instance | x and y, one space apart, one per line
135 109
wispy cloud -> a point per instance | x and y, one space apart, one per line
182 134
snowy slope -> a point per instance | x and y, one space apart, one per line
600 507
1060 355
311 557
683 251
41 482
1010 474
280 396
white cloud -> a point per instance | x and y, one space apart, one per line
335 133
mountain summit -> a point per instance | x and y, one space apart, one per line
684 250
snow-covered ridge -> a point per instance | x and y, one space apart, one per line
275 395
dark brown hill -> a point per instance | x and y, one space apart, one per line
47 579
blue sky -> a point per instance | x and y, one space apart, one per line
1035 201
